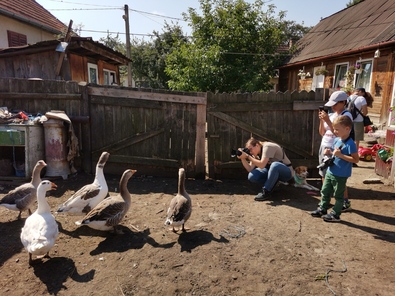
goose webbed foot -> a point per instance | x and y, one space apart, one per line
184 229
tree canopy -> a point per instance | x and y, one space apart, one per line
148 58
353 2
234 47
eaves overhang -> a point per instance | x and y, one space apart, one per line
340 54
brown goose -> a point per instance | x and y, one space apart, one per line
22 197
180 207
89 196
110 211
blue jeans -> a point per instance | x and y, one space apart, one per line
277 172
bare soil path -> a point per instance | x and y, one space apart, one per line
234 246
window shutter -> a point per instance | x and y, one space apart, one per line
16 39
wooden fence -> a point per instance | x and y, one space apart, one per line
156 132
289 119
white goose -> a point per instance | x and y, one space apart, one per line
110 212
89 196
40 230
180 207
22 197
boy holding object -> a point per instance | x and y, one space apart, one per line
344 154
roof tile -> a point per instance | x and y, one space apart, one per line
31 11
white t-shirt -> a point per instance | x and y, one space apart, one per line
359 102
329 137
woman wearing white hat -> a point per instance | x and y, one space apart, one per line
337 102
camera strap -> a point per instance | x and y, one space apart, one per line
343 143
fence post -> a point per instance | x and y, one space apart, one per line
200 151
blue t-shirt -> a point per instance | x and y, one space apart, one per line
340 167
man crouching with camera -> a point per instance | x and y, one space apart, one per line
266 163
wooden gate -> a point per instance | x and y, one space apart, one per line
154 132
288 119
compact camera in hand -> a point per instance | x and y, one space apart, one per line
324 108
327 161
237 152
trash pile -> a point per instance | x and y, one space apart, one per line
17 116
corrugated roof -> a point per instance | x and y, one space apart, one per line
368 23
31 12
83 46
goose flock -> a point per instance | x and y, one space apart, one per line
99 210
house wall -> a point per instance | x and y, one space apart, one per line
79 68
381 83
33 34
78 64
39 65
43 65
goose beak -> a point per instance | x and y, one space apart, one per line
53 186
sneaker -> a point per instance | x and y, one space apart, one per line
346 206
331 217
318 212
261 196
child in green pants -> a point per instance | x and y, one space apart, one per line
344 154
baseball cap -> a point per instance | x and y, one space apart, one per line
361 89
337 96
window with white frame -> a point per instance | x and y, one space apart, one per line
92 73
340 73
109 77
363 76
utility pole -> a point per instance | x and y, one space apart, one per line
128 54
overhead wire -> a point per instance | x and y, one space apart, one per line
146 14
106 7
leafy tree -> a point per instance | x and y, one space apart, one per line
114 43
293 31
234 48
353 2
148 58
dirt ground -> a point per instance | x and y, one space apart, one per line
235 246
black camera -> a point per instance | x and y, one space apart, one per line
327 161
237 152
324 108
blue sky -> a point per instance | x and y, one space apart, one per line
100 16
